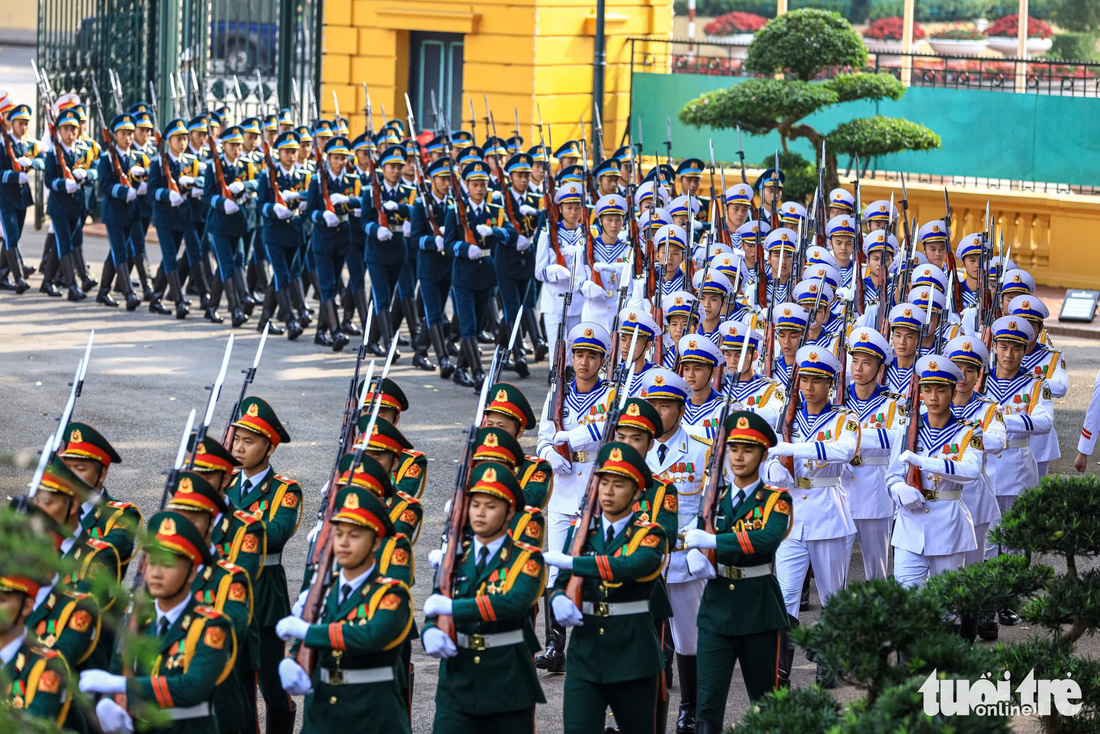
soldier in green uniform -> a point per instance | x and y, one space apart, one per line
365 620
497 445
35 678
509 409
386 445
226 587
614 656
742 616
410 472
90 455
498 582
195 644
277 501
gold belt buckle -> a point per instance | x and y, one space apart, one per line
602 609
580 456
336 678
929 494
803 483
733 572
477 642
857 461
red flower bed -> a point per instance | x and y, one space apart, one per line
890 29
1010 26
735 22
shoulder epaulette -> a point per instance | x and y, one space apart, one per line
122 505
532 509
208 612
99 545
647 525
244 517
231 567
526 547
286 480
772 488
702 440
411 452
78 595
407 498
387 581
893 395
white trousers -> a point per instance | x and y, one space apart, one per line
552 320
829 559
874 543
1044 467
686 598
1005 502
978 555
557 528
913 569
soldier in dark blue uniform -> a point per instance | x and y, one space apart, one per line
119 211
226 224
332 234
281 231
355 295
433 258
143 151
65 204
171 210
16 156
473 277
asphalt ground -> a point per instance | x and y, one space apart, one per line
148 371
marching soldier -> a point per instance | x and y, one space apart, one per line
751 391
680 310
515 262
277 501
410 470
906 322
508 409
16 159
434 259
364 622
878 248
841 202
614 656
742 613
841 231
1046 362
171 215
933 529
555 274
739 206
497 445
638 320
498 581
119 211
713 292
281 231
386 446
195 645
65 204
790 321
699 360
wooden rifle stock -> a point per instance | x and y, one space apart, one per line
219 171
272 180
322 178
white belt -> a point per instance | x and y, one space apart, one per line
484 642
876 460
808 482
744 572
197 711
1018 443
273 559
938 495
603 609
355 677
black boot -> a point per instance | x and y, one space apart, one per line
76 293
105 280
348 324
435 335
386 334
321 337
519 359
87 282
339 338
372 339
786 654
293 328
298 298
244 296
50 268
267 310
688 672
50 245
473 357
396 317
463 374
123 284
142 268
1008 618
15 267
175 293
534 333
707 727
987 627
552 659
232 301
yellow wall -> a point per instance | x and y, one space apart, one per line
19 16
513 49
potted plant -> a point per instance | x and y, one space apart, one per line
883 37
1002 35
957 41
735 29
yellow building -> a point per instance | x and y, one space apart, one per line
507 50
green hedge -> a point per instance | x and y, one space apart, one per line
1074 47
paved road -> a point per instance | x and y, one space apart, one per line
148 371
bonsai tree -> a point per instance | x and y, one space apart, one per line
803 45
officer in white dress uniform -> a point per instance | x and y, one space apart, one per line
1046 363
864 479
934 529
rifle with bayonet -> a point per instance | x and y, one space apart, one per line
108 140
857 250
716 462
553 216
740 156
51 125
249 375
717 208
423 188
211 403
557 373
955 291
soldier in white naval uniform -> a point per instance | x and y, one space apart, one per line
1090 427
554 275
751 391
906 321
1044 362
934 529
864 479
699 360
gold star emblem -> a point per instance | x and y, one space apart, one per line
253 410
502 395
633 409
76 437
742 422
492 441
616 455
186 485
933 366
168 526
813 356
490 475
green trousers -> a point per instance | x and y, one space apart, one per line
509 722
759 656
634 703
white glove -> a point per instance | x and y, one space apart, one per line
782 448
698 225
777 474
187 181
437 604
447 506
611 268
406 228
175 198
435 557
299 605
528 211
696 538
196 193
845 293
438 644
142 188
231 207
589 289
71 187
112 717
331 219
302 205
558 463
908 457
236 187
439 243
131 193
568 437
699 566
390 206
522 243
291 196
294 678
556 273
384 234
338 199
100 681
291 628
137 171
281 211
557 559
22 177
357 212
908 497
474 252
566 612
24 161
80 174
484 230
